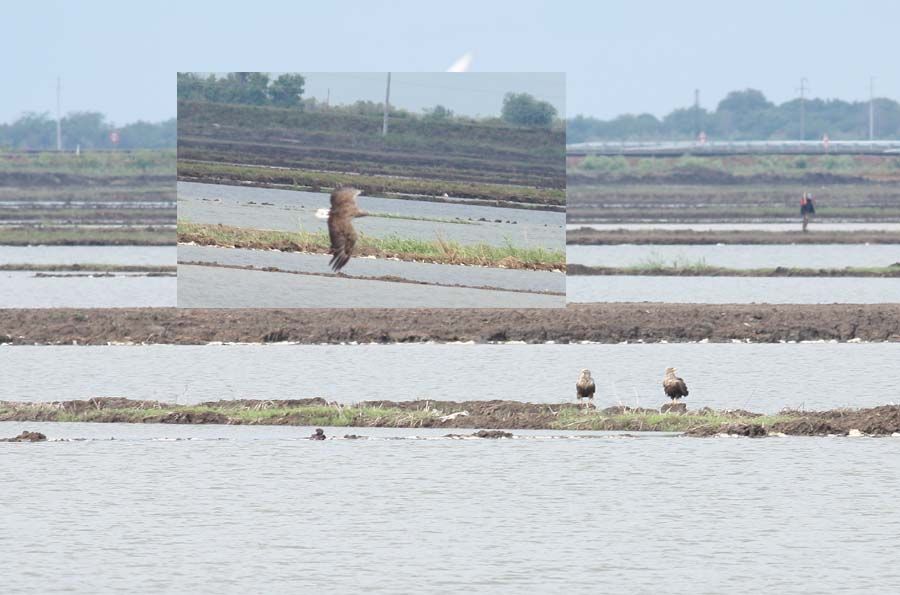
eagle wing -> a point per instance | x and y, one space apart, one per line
340 227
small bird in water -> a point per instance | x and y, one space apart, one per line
319 435
585 387
674 386
340 225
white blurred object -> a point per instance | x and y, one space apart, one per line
322 213
462 64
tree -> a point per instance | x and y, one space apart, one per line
438 112
523 109
287 90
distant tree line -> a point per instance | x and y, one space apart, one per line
249 88
747 115
89 130
286 91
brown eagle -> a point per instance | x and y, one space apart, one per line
674 386
340 225
585 387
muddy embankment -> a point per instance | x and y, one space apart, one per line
597 237
711 271
601 323
492 415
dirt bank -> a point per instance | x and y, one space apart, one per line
588 236
712 271
602 323
488 415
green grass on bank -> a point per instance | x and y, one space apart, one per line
439 250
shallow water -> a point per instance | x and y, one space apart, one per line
295 210
732 290
542 281
21 289
261 509
699 226
130 255
759 377
738 256
217 287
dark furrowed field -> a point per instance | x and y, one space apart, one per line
130 188
733 188
451 151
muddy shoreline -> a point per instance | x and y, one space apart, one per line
492 415
712 271
601 323
596 237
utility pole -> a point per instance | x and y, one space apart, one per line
803 89
387 102
871 108
328 98
58 117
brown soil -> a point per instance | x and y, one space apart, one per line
709 271
602 323
493 417
26 436
588 236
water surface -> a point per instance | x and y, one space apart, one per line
733 290
472 276
738 256
126 255
700 226
289 210
259 509
759 377
218 287
21 289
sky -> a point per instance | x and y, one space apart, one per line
631 56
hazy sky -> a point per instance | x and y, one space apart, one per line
620 56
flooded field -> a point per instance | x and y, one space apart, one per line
759 377
737 255
785 226
22 289
217 287
538 281
288 210
125 255
338 512
732 290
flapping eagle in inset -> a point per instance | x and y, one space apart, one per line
340 225
674 386
585 387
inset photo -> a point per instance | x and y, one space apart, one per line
382 190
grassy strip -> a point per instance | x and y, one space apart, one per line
317 412
437 251
87 236
105 268
704 270
787 166
371 185
144 162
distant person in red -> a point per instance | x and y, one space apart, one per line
807 208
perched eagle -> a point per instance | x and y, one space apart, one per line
340 225
585 387
674 386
